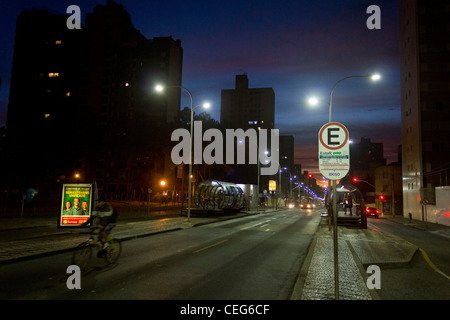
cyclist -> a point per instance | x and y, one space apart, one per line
104 218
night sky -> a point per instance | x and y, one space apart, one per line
299 48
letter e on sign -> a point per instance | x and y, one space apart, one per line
333 136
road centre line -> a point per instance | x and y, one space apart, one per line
210 246
431 264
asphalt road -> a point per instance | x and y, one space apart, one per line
419 280
252 258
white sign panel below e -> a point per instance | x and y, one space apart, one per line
334 151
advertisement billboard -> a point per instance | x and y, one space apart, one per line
76 204
272 185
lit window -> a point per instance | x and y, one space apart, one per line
67 94
58 42
53 74
47 115
126 84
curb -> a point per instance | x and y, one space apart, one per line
297 291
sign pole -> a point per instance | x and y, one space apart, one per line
334 164
330 208
335 243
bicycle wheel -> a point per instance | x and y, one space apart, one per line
113 251
82 255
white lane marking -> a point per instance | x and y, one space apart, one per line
254 225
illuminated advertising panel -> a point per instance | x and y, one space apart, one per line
272 185
76 203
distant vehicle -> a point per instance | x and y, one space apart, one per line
293 204
371 211
307 203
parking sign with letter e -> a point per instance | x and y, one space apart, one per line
334 153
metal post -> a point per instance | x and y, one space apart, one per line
258 203
279 179
330 208
23 202
148 204
190 164
335 243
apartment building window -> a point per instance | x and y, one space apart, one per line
53 74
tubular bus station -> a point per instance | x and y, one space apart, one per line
218 196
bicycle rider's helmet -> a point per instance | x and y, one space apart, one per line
103 209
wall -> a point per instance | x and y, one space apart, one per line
439 213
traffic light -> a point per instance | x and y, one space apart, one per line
309 175
381 197
355 179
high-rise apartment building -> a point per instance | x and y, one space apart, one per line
120 70
244 107
83 101
43 98
425 100
247 108
365 157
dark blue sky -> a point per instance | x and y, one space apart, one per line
297 47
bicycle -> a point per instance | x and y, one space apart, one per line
83 252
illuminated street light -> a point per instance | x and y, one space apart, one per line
313 101
375 77
162 183
160 88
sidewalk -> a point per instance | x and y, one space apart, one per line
440 229
62 240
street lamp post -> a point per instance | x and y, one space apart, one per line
290 183
160 88
279 181
374 77
259 168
